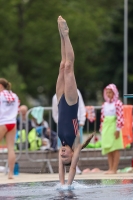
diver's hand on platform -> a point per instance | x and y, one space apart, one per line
117 134
87 141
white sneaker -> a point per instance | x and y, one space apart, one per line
78 171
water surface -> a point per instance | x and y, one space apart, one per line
80 190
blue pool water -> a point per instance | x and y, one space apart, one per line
80 190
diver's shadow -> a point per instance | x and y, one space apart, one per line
64 195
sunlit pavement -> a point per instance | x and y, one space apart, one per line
21 178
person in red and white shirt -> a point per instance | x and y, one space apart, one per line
112 122
9 104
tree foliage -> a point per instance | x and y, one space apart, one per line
30 44
113 48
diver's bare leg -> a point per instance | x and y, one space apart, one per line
60 85
69 77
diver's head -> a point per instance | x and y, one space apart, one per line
66 154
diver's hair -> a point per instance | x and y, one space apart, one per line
5 83
68 164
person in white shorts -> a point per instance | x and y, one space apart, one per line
9 104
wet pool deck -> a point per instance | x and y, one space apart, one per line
21 178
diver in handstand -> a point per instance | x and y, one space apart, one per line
67 96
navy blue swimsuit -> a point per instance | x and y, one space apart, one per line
67 122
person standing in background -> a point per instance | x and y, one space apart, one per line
81 116
112 122
23 109
9 104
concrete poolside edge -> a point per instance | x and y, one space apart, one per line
23 178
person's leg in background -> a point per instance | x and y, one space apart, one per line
110 162
116 159
3 131
10 138
113 161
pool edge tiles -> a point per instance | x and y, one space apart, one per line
21 178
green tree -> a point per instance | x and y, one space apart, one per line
112 63
30 41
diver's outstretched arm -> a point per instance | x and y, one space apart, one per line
74 162
61 172
75 159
